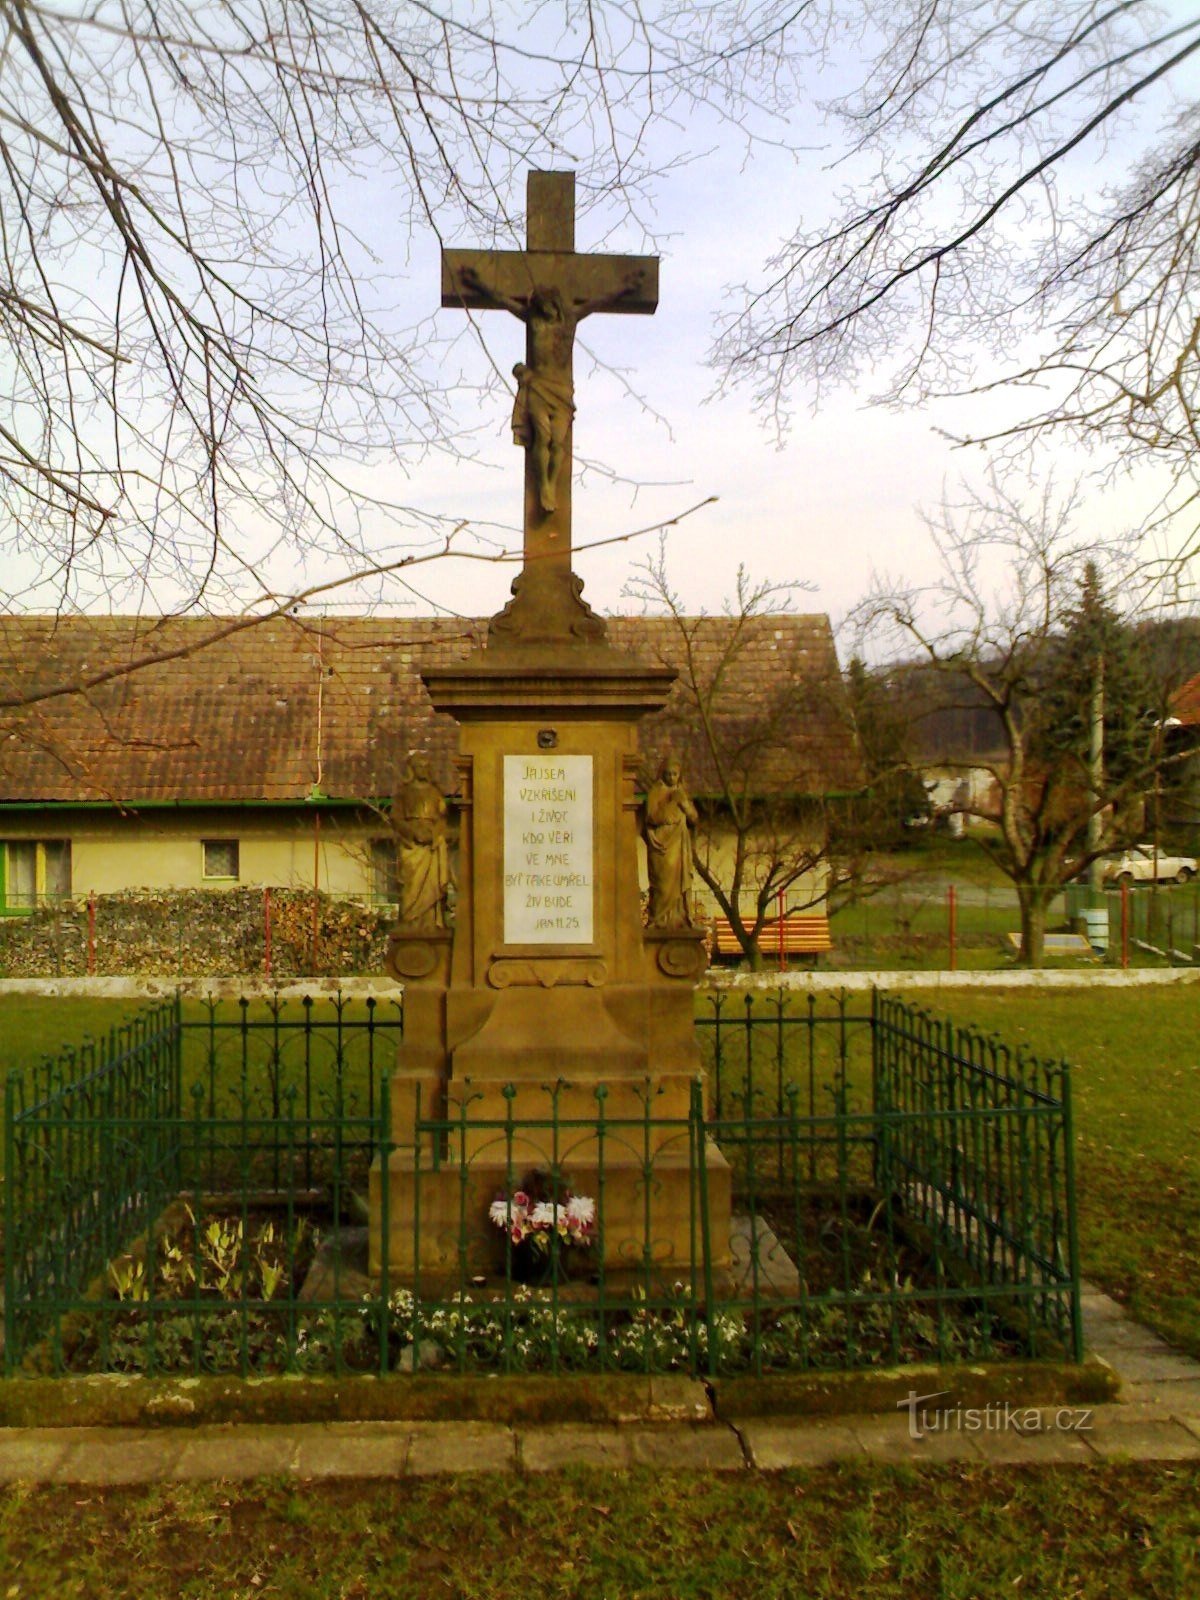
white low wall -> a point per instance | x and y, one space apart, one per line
1022 978
226 988
385 988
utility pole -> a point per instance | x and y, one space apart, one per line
1095 830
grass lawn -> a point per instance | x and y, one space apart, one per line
34 1026
893 1533
1136 1091
34 1029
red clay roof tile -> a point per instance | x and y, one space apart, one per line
276 710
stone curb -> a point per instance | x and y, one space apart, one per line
331 1450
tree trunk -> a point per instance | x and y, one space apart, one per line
1033 925
750 948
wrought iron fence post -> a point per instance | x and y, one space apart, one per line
384 1138
435 1140
1072 1219
289 1101
601 1094
197 1221
175 1090
717 1002
699 1135
10 1236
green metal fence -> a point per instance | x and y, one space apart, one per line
91 1148
313 1067
176 1165
1147 923
188 1198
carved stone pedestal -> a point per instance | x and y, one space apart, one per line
560 1036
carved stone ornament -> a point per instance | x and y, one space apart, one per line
414 955
680 955
546 605
507 974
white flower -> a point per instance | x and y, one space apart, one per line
581 1210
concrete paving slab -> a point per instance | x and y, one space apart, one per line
1016 1446
1130 1411
1178 1394
30 1454
1164 1365
1121 1335
1146 1441
776 1443
890 1439
1095 1300
686 1449
121 1455
236 1452
573 1444
336 1451
460 1447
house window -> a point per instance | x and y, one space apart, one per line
385 882
220 858
34 870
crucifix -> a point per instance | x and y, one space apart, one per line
549 288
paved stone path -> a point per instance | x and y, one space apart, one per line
1156 1419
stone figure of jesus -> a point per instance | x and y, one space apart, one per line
544 406
667 821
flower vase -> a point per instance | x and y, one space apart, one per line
533 1265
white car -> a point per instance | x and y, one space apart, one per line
1141 863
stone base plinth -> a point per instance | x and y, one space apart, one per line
553 1032
563 1125
438 1216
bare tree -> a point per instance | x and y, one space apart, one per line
1000 627
1020 209
763 727
205 209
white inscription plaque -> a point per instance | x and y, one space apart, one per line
547 849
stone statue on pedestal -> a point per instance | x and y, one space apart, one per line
667 820
419 819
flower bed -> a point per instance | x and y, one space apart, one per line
222 1296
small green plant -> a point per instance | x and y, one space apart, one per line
127 1275
221 1246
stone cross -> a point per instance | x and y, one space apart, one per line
550 289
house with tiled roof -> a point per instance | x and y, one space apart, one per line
1178 797
185 752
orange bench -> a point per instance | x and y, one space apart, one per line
801 934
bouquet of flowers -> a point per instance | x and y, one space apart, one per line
528 1219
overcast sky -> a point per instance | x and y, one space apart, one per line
836 499
839 498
